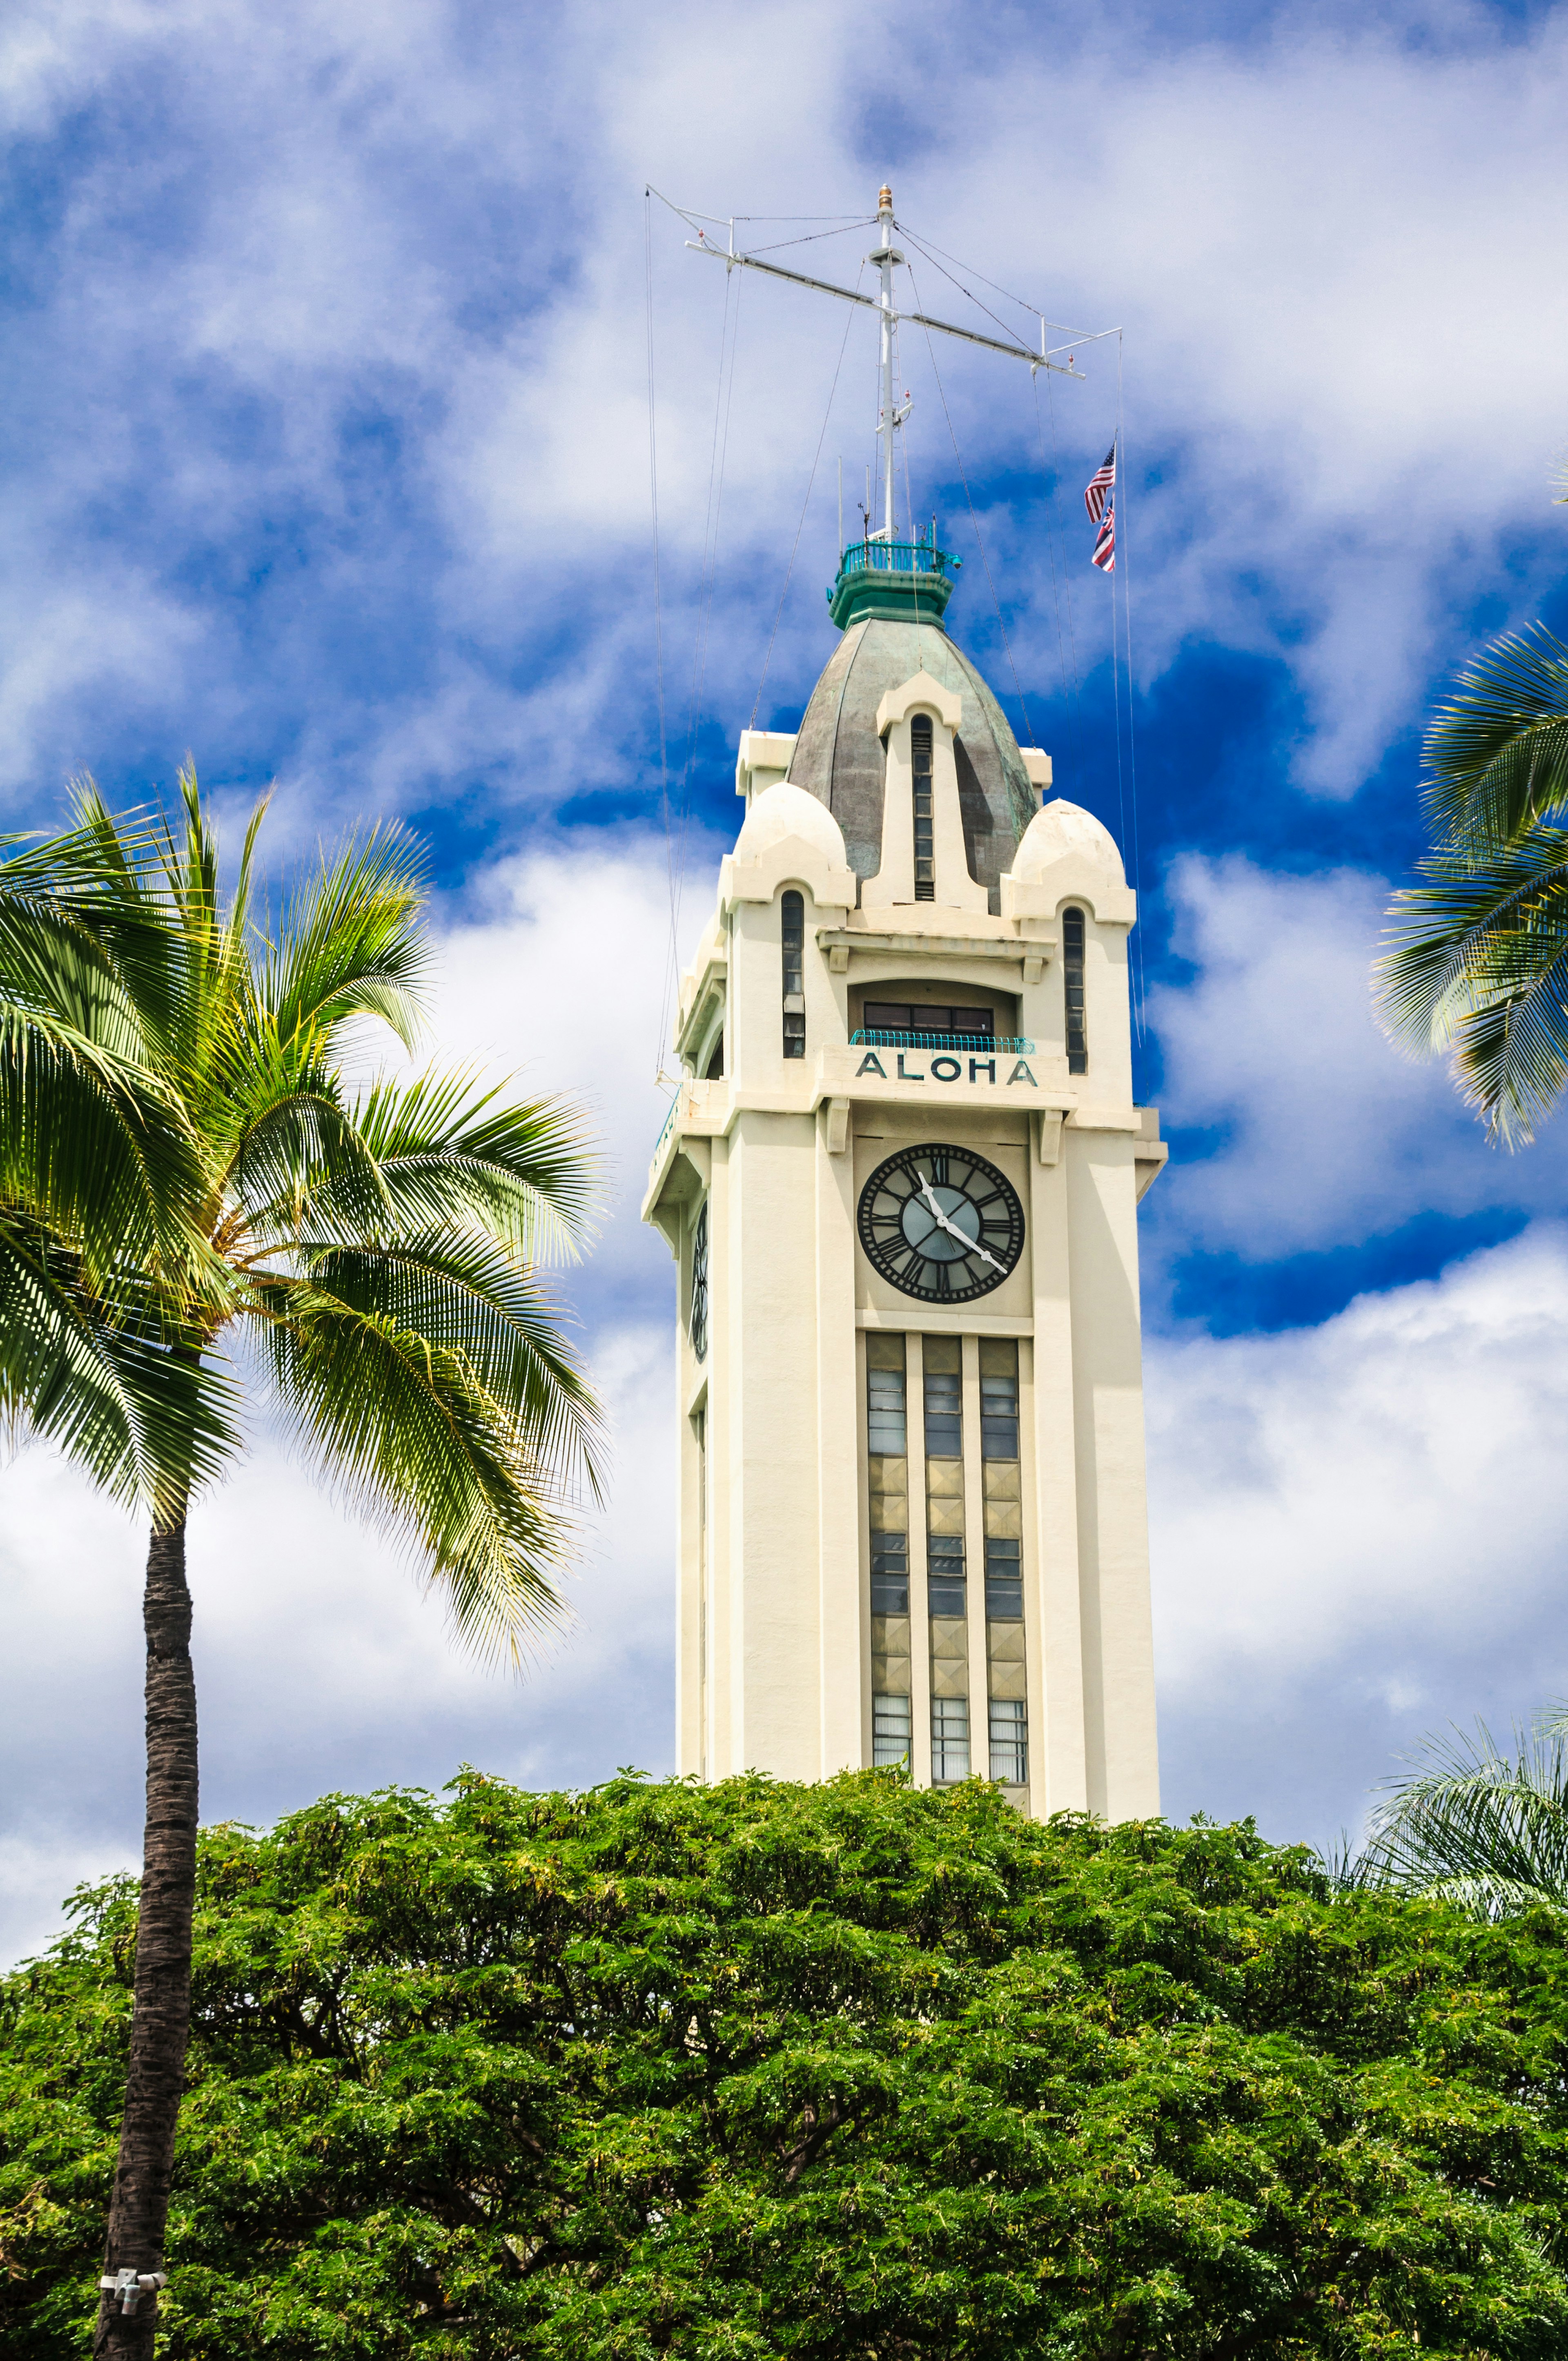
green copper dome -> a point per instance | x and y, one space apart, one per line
840 760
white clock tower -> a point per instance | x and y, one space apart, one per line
900 1180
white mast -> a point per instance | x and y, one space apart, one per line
885 256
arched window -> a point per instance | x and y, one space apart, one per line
925 844
794 932
1072 985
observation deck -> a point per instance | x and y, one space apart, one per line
907 581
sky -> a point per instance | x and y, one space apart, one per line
325 380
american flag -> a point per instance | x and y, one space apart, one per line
1104 555
1097 492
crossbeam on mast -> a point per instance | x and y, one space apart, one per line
733 260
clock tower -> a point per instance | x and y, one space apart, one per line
900 1180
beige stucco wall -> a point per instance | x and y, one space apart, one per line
772 1583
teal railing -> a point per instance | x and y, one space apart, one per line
896 557
1010 1045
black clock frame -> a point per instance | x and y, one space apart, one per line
697 1318
893 1256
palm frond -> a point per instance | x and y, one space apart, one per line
1486 1828
91 1135
464 1294
1477 965
150 900
404 1430
451 1152
352 945
295 1147
98 1375
177 1150
1496 752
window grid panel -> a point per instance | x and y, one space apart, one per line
1072 986
887 1486
889 1730
949 1737
924 844
998 1398
1009 1741
793 932
1004 1580
947 1589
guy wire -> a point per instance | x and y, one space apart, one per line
1069 683
677 824
1140 1003
806 503
724 395
658 635
980 538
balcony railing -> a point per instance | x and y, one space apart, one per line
877 556
1010 1045
664 1128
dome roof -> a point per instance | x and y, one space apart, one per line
1060 828
784 810
840 760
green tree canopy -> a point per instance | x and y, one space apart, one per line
758 2070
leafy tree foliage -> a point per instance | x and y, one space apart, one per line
850 2069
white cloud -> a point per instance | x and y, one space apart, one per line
555 976
1358 1534
321 1662
370 292
1332 1138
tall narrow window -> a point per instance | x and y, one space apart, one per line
794 979
946 1588
887 1469
889 1730
1009 1741
925 841
1072 983
1006 1676
949 1737
698 1323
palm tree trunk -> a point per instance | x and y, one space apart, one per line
154 2074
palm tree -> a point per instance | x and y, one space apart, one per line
186 1168
1476 1826
1477 957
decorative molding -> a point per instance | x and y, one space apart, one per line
921 689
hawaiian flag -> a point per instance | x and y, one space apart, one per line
1104 555
1097 492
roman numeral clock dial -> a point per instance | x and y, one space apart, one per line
940 1224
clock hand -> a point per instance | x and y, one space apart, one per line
968 1244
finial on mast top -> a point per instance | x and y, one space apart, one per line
884 199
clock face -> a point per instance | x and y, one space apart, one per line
941 1223
696 1320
